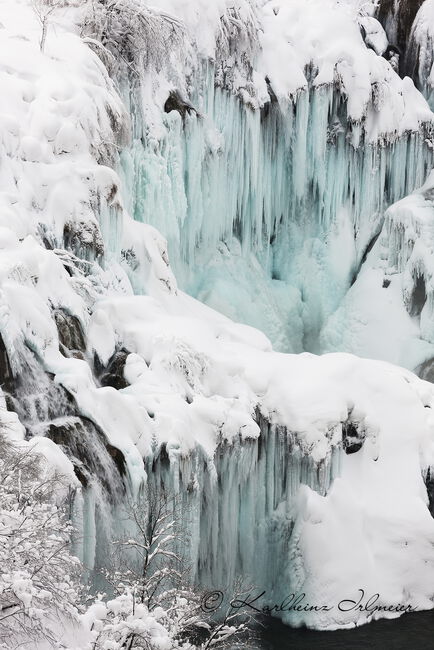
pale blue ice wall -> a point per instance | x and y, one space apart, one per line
240 510
268 213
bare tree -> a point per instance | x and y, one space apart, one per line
151 576
43 10
150 560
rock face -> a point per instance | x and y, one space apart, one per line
6 376
175 103
45 408
352 438
113 374
429 483
71 335
426 370
397 17
93 458
418 296
84 239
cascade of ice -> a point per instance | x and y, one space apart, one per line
395 283
299 187
241 504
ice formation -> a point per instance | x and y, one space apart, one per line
269 182
394 286
316 148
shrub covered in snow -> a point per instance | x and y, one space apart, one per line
39 577
133 32
41 594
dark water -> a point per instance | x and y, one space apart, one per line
409 632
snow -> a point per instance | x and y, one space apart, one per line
292 36
121 616
189 370
385 290
199 384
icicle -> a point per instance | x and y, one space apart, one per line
248 513
279 181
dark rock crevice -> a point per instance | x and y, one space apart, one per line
113 373
273 102
45 408
93 457
366 252
418 296
175 103
6 375
352 437
84 239
71 335
429 483
397 20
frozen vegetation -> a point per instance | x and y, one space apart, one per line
279 153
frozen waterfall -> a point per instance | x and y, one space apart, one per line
283 154
288 197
